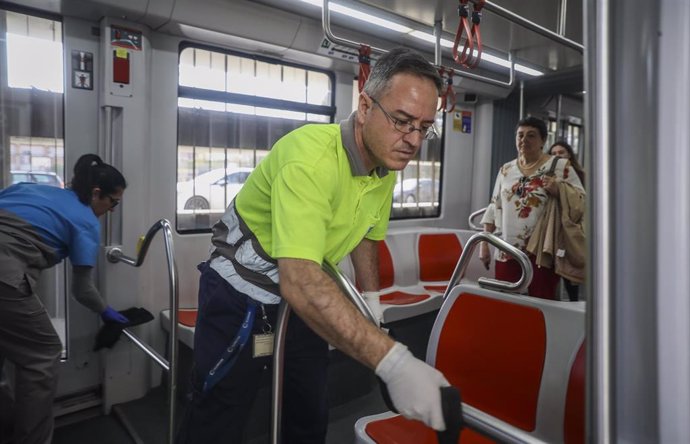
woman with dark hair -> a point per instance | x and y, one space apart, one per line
562 149
522 189
40 225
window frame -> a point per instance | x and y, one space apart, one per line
224 97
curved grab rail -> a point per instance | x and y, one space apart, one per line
463 262
349 289
475 227
115 255
479 420
470 220
279 343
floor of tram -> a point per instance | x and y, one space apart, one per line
353 393
148 417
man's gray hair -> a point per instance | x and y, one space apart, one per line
396 61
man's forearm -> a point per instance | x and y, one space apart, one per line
365 260
316 298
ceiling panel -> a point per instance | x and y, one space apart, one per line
498 34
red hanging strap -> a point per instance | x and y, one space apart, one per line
448 95
463 27
476 34
364 66
442 105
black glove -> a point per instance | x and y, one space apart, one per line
110 332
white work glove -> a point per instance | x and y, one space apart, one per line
373 300
414 386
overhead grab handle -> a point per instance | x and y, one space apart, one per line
469 27
448 95
364 66
463 28
476 33
522 259
326 25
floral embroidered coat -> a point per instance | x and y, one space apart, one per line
518 201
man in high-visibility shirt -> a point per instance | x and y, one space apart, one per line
323 192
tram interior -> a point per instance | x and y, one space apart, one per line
200 108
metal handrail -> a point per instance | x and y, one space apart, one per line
326 25
478 420
473 216
279 344
476 227
513 17
115 255
522 259
278 365
350 291
497 430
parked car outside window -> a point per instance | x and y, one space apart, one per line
42 177
212 190
412 191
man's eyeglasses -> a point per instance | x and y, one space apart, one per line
113 202
406 127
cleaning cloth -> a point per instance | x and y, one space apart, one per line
110 332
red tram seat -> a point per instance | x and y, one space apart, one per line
400 302
574 427
187 316
518 362
186 320
386 269
438 255
414 268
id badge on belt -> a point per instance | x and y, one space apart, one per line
263 342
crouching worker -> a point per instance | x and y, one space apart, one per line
323 191
40 225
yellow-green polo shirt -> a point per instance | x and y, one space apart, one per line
311 197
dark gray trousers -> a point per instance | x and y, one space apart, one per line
28 340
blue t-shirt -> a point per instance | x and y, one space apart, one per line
64 225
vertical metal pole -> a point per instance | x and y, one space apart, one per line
438 50
673 209
563 12
559 113
600 268
278 358
522 100
115 255
107 156
174 302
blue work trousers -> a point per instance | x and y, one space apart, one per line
220 416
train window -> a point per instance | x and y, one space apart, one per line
231 109
570 130
31 91
418 187
42 38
